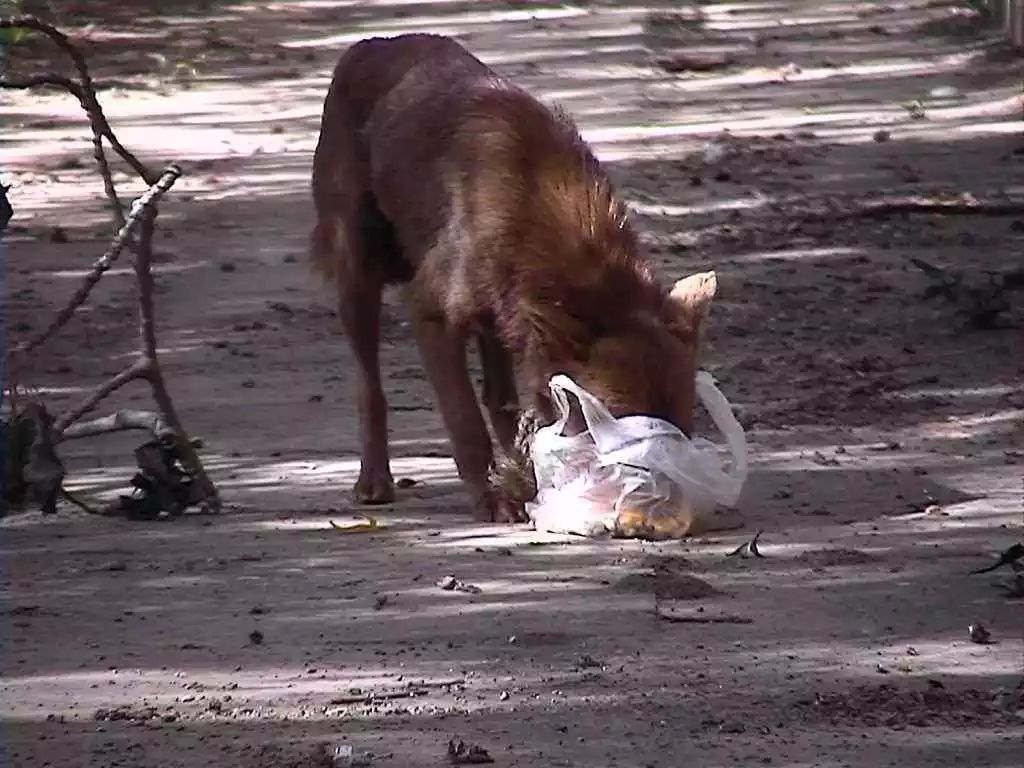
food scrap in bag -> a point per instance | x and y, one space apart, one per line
636 476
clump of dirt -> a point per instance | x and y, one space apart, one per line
276 756
893 706
830 557
727 156
134 714
668 580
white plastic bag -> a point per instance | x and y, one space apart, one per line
633 476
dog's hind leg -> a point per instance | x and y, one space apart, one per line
353 246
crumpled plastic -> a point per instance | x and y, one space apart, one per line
635 476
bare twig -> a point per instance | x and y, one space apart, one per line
371 697
142 217
965 206
876 210
68 496
85 92
144 203
93 105
141 368
1009 557
51 81
26 21
694 619
147 337
120 421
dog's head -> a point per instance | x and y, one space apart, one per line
646 363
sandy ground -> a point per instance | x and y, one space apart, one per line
887 440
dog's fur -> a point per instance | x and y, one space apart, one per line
434 173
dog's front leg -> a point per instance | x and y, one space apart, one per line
443 349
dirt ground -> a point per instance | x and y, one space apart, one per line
887 439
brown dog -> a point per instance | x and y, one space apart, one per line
433 172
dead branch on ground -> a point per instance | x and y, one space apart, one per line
119 421
166 427
885 205
678 618
966 206
85 91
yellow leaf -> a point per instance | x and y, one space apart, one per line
371 524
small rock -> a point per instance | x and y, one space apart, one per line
735 727
881 135
447 582
714 152
979 634
944 92
345 756
450 584
461 753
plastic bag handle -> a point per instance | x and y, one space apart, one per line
594 412
725 420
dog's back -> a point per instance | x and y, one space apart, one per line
463 177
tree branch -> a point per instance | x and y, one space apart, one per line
120 421
142 216
140 369
85 92
49 80
913 205
141 208
884 204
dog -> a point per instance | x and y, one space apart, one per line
434 173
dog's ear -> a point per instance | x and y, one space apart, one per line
690 301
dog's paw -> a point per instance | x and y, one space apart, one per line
510 511
497 508
374 487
